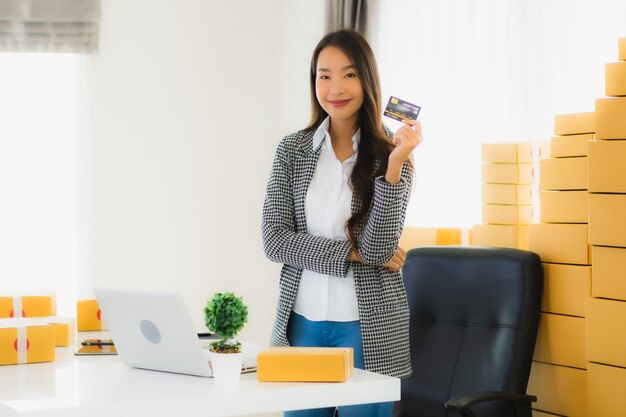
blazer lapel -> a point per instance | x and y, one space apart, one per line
304 168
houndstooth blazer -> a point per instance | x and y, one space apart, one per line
383 308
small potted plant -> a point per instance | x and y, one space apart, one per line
225 315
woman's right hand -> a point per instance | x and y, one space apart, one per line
397 260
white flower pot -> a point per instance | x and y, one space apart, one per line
226 368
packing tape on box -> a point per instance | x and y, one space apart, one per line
465 235
21 344
18 309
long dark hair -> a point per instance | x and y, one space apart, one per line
375 145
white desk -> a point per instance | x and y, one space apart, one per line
90 386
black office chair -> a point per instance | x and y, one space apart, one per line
474 318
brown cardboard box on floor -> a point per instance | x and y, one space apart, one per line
607 170
566 288
607 222
560 243
564 207
609 265
611 118
564 174
574 123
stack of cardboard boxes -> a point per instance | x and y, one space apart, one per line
606 311
414 237
29 328
558 376
509 194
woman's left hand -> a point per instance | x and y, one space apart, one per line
406 139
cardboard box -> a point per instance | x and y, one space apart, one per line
560 243
565 288
510 153
607 171
606 331
564 207
608 269
615 79
606 386
571 145
25 341
621 44
64 329
509 214
611 118
305 364
89 316
538 413
414 237
559 389
561 340
502 236
574 123
524 194
510 173
607 222
27 304
564 174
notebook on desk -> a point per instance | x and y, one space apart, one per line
153 330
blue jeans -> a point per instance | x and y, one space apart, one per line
303 332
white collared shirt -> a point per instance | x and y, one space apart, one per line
328 206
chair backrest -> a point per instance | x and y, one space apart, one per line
474 318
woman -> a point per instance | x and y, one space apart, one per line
333 215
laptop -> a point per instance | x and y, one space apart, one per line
153 330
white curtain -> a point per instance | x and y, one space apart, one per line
487 71
49 25
42 244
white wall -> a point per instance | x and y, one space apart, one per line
188 100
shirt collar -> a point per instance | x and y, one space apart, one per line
322 132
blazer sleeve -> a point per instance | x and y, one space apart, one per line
384 225
281 241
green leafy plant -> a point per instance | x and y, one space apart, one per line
225 315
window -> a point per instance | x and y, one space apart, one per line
41 174
488 71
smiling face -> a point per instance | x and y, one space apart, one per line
337 85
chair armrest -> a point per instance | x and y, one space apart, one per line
462 403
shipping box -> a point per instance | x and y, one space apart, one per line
560 243
561 340
305 364
606 331
559 389
609 279
574 123
564 174
607 167
566 288
571 145
564 207
607 219
611 118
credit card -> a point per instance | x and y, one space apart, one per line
398 109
